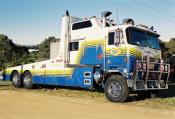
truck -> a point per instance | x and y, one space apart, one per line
97 53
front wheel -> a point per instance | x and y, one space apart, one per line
116 89
27 80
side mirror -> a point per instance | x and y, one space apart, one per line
118 37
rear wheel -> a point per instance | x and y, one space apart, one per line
27 80
16 80
116 89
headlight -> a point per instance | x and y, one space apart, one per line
97 76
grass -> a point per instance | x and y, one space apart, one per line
51 90
157 103
168 101
6 85
73 93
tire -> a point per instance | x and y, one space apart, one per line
116 89
27 80
16 80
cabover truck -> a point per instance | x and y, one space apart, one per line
95 52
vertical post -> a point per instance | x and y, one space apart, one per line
65 39
104 59
135 76
147 71
104 15
104 22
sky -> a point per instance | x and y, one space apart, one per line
29 22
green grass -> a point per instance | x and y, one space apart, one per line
168 101
156 103
4 83
72 93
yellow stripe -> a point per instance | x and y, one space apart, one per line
89 43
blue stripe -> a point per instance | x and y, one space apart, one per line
76 80
6 77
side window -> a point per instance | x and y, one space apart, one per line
111 37
73 46
81 25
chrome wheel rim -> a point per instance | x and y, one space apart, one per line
27 79
16 79
115 89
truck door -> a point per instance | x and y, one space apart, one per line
92 55
112 49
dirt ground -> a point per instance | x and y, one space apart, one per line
30 105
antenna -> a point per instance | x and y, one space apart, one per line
117 19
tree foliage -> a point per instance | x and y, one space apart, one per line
44 48
168 49
12 54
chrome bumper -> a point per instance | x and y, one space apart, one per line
153 77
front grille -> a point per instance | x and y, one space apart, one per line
151 59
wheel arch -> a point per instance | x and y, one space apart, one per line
25 72
110 74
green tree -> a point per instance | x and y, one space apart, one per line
44 47
167 48
12 54
5 51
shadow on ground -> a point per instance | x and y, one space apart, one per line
167 93
170 92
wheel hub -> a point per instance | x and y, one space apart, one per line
27 79
16 79
115 89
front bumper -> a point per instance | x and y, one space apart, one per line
151 77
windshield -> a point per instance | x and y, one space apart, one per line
153 41
142 38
